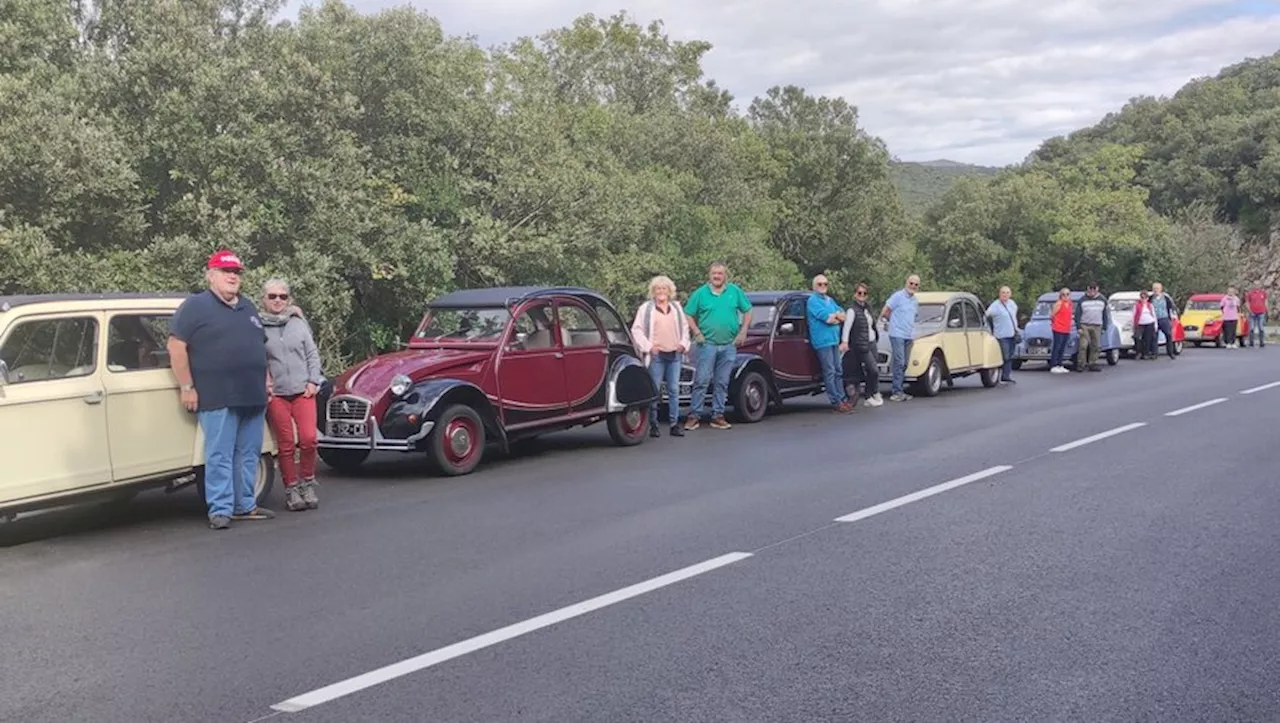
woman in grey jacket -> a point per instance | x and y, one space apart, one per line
294 364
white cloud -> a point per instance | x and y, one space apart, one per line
982 81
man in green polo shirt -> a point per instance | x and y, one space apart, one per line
715 323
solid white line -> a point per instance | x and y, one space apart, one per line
928 492
1262 388
1098 436
435 657
1194 407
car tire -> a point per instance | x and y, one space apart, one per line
346 461
457 442
751 402
1017 364
629 427
990 377
931 383
262 485
1113 357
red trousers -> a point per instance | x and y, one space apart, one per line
282 414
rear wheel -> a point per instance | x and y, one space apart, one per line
990 377
261 485
752 400
931 383
457 442
1198 344
1113 357
628 427
343 460
1219 342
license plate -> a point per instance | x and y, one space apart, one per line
1037 351
348 429
883 369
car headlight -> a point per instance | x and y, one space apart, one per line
400 384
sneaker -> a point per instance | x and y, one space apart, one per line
897 397
219 522
293 498
654 431
875 400
677 430
1058 370
1008 381
720 423
257 513
691 423
309 495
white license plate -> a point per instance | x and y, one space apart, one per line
1037 351
348 429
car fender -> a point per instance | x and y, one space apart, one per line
1111 338
429 398
753 363
629 384
992 354
922 351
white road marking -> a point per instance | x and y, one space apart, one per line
1098 436
928 492
1194 407
471 645
1262 388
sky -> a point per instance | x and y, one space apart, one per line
976 81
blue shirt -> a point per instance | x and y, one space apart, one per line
902 316
227 348
1161 304
821 333
1002 323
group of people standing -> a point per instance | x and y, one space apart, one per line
1256 303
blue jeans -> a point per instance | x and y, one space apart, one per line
900 350
832 373
1007 347
232 445
1059 349
1258 322
665 366
717 360
1165 326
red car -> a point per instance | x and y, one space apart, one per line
485 365
1203 320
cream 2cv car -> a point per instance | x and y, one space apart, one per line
952 340
89 406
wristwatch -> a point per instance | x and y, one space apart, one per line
188 387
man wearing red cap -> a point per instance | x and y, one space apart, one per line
218 353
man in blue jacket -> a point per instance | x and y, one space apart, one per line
826 317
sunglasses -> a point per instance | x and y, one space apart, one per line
281 297
821 283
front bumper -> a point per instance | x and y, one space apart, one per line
376 441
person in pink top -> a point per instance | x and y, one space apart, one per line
1144 325
661 331
1256 300
1230 305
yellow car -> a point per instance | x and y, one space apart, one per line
952 340
89 406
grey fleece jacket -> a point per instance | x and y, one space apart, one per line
292 355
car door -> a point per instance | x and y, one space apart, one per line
149 431
955 340
530 368
52 417
976 333
793 360
586 356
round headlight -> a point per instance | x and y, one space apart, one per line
400 384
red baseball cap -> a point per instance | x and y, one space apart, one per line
225 260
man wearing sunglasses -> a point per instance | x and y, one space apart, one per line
900 310
218 353
825 320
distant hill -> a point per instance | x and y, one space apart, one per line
922 183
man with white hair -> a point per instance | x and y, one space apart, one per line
825 318
901 310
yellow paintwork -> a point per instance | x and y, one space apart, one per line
965 351
110 427
1199 318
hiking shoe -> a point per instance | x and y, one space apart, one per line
257 513
293 498
843 408
720 423
654 431
691 423
219 522
677 430
309 493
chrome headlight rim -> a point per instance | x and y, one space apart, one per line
400 385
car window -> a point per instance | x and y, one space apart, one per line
44 349
137 341
1200 305
463 325
955 316
613 326
1121 306
762 316
533 329
1043 309
973 318
577 327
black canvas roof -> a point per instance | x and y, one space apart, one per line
506 295
770 297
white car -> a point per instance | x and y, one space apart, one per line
1122 304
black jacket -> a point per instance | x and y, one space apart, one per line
859 330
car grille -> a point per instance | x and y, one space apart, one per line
348 409
1038 342
1191 328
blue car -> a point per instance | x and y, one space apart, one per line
1037 338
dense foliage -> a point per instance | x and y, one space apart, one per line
922 185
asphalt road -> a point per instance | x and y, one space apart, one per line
1130 578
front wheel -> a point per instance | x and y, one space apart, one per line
457 442
931 383
752 400
628 427
343 460
1113 357
990 377
261 484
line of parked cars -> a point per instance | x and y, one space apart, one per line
484 368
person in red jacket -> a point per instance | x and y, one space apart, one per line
1256 300
1061 319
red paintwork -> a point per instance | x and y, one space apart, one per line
1179 334
1213 329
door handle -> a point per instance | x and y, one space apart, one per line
94 398
559 355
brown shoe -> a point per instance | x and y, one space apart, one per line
720 423
843 408
691 423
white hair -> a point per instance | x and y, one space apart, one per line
274 282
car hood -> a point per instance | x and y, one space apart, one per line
1038 329
1200 318
371 377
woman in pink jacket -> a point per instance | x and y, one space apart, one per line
661 332
1144 327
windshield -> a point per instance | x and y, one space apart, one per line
1123 305
1204 306
464 325
929 315
762 318
1043 310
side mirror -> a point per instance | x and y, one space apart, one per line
787 328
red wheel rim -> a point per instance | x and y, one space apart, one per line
633 421
460 437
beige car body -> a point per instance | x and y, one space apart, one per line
956 344
97 414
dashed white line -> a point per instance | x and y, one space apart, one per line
1262 388
928 492
471 645
1194 407
1097 437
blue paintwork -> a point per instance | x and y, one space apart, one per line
1041 328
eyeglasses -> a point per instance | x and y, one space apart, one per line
281 297
913 285
859 293
821 283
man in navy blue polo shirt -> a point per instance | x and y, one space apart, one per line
218 353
